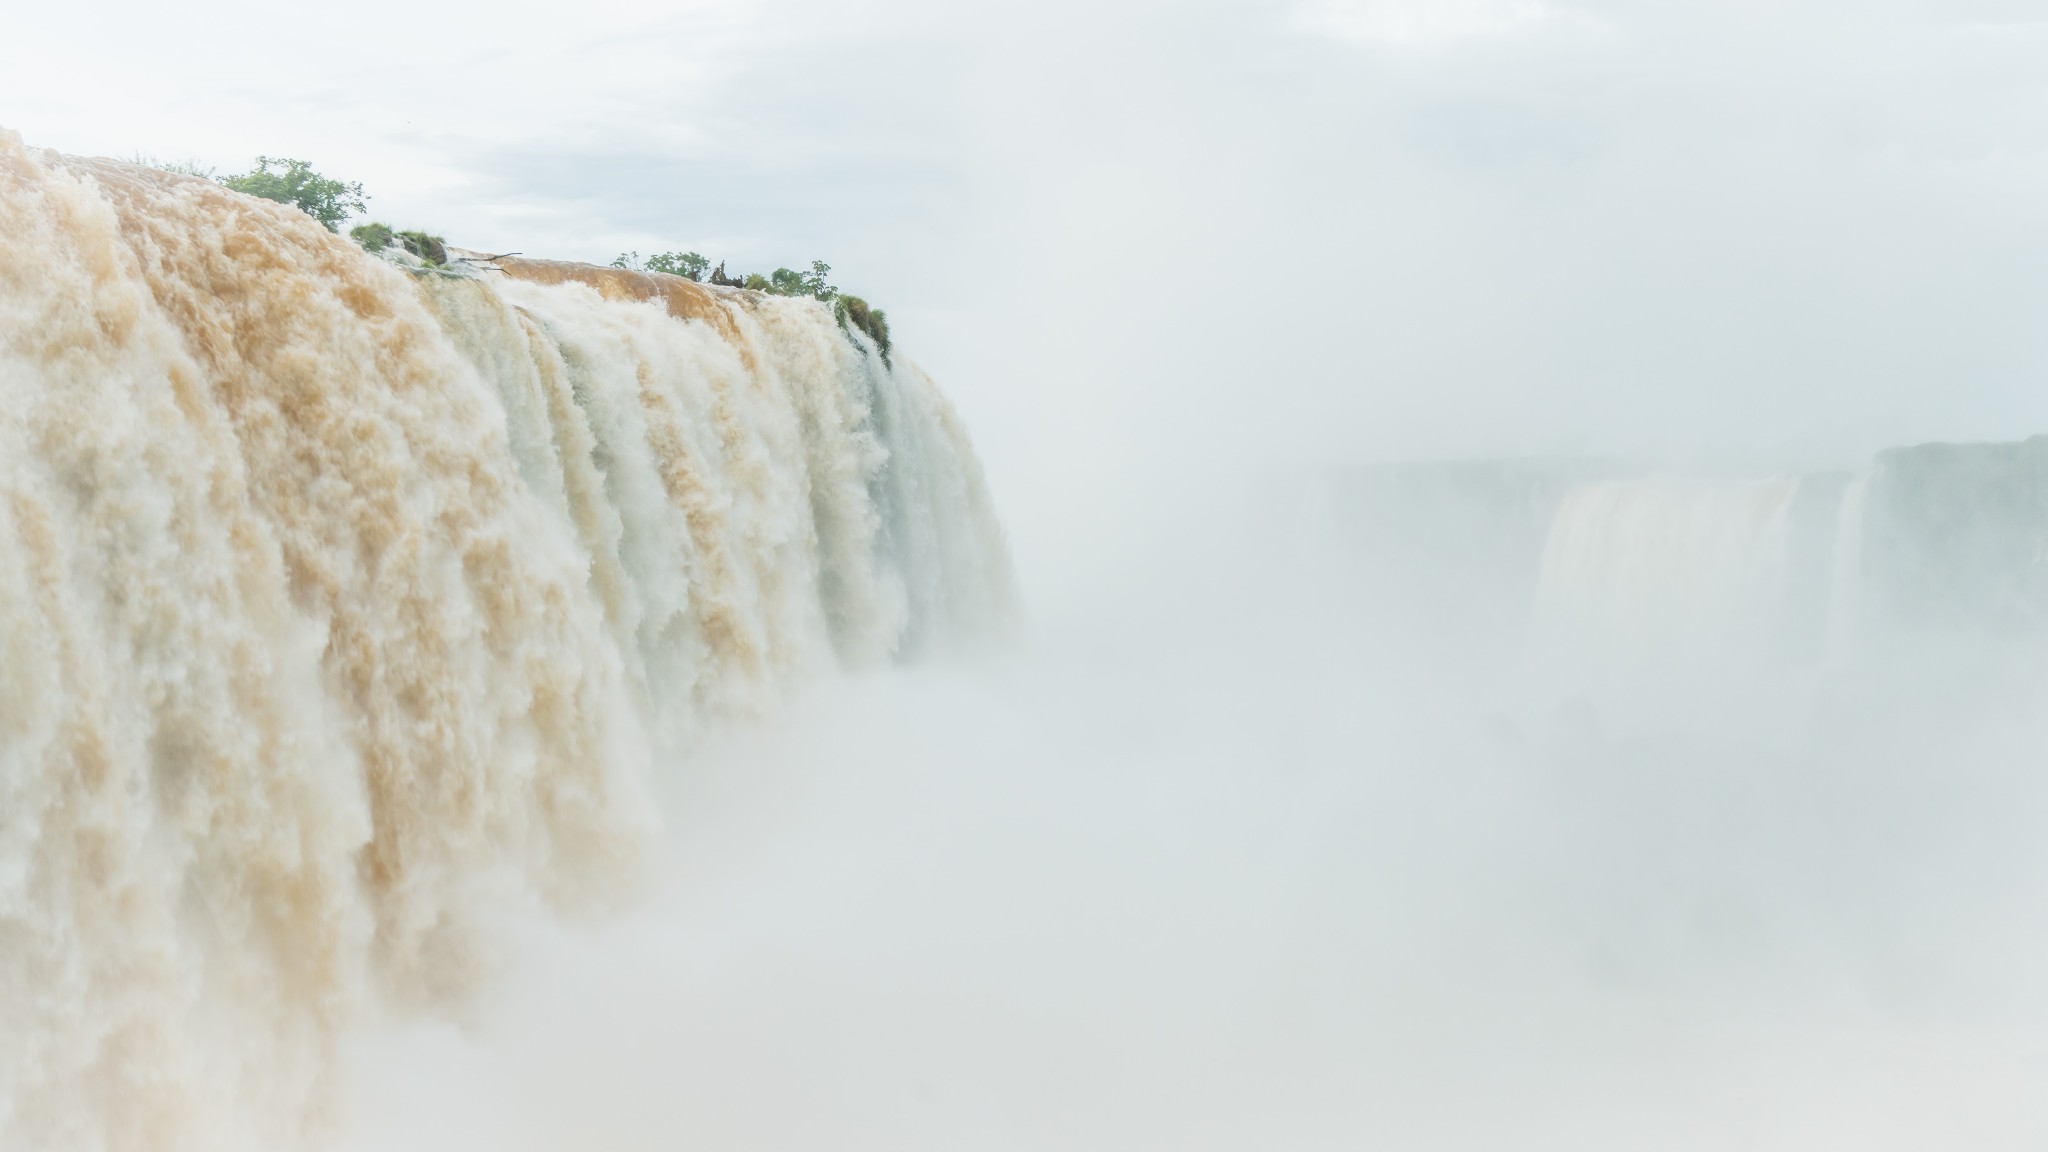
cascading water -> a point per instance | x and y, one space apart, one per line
1845 574
1932 554
1641 571
333 596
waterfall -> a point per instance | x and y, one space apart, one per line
1929 555
1660 570
1845 575
336 596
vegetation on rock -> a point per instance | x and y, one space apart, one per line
854 311
181 167
693 266
688 265
374 237
431 249
331 202
294 182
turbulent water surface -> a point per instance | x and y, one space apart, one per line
334 594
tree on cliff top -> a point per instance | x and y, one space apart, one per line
294 182
688 265
789 282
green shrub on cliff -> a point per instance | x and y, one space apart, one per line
374 237
781 282
854 311
294 182
688 265
181 167
787 282
431 249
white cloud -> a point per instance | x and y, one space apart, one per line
1420 22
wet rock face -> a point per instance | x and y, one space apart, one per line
1957 539
428 248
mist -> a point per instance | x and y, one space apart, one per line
1257 858
1487 673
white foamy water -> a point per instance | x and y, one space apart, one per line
1845 572
1663 569
335 598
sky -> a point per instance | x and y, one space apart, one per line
1134 238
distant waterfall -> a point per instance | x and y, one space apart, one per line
1662 569
1845 574
1938 548
1928 563
334 595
